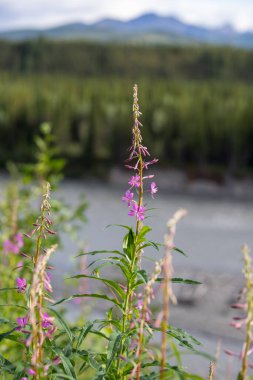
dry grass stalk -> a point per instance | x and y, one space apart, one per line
168 294
36 309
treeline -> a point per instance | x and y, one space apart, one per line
93 59
201 124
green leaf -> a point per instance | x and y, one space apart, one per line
68 367
178 280
63 324
93 362
7 365
91 295
129 244
85 330
180 251
143 232
122 265
143 275
113 348
185 281
61 376
119 225
93 253
111 260
13 305
5 289
185 339
192 376
110 283
6 334
150 243
5 321
176 353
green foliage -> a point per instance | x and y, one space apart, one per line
115 332
184 120
94 59
17 216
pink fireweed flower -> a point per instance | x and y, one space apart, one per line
147 163
14 245
31 372
50 333
139 305
19 240
153 189
237 325
56 360
46 368
22 322
21 284
9 247
20 265
242 306
128 198
135 181
47 321
137 211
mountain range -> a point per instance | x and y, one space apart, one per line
148 28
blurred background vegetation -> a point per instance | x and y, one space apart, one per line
196 103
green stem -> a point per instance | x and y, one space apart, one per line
126 310
128 304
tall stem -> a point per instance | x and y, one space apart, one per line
167 290
248 276
128 303
165 317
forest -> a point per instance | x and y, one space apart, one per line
192 97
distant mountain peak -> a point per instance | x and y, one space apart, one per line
149 28
147 16
227 29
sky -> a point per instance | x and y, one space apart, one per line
15 14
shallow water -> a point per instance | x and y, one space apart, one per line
212 233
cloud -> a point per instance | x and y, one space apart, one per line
43 13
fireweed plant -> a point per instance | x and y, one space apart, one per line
126 350
18 209
33 325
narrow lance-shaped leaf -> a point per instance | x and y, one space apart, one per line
178 280
107 282
6 334
113 348
87 295
68 367
85 330
63 324
179 251
93 253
